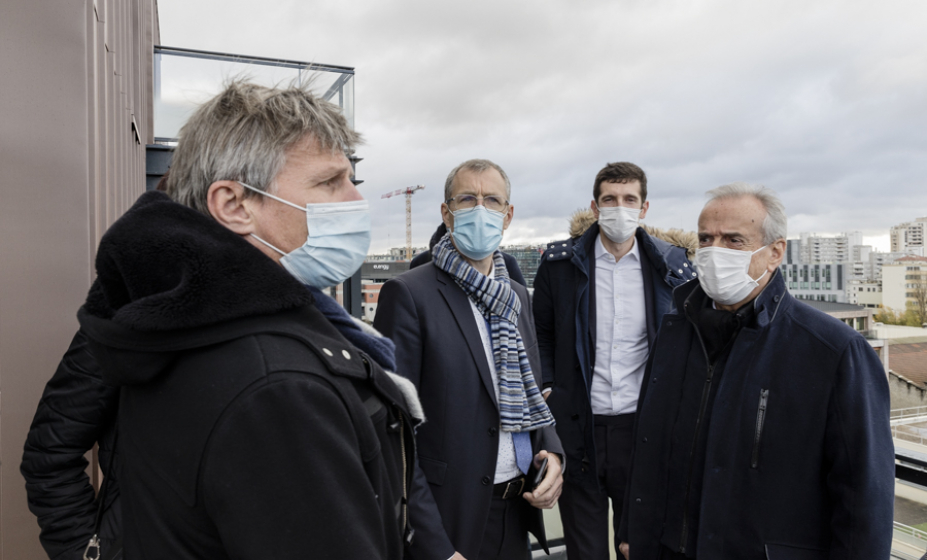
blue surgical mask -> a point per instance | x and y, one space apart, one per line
339 237
477 231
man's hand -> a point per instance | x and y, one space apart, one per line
625 550
547 492
457 556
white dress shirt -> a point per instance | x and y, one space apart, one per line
621 345
506 466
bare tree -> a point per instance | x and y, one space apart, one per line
918 294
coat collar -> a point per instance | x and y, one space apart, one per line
767 305
669 261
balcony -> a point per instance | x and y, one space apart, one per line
184 78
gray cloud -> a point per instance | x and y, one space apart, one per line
823 102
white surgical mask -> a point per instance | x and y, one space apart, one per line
337 243
619 223
724 273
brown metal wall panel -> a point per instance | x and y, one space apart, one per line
71 165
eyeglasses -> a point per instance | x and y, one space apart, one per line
466 201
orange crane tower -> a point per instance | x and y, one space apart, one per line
408 191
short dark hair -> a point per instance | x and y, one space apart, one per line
620 172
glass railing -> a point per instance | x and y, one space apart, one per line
908 542
184 78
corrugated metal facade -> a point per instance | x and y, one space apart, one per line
75 115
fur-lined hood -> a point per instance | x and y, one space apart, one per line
582 219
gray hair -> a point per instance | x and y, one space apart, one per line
243 134
775 225
476 166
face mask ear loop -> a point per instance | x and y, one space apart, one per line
268 244
765 272
268 195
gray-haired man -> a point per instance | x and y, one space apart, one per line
255 419
762 425
464 336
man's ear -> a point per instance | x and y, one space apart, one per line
227 205
595 209
777 253
508 217
644 207
447 217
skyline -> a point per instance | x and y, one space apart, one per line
822 103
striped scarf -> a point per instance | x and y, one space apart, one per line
521 406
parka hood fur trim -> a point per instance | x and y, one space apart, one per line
582 219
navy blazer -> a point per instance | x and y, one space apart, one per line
564 305
438 347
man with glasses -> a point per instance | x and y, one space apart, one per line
598 300
464 335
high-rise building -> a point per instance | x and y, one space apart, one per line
528 258
877 261
909 235
817 249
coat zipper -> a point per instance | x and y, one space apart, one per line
405 477
706 389
760 419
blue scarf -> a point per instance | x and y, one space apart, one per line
521 406
380 348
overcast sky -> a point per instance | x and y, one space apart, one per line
824 102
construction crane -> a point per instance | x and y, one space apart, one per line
408 191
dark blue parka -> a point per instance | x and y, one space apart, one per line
566 330
799 461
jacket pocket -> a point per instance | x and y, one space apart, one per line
758 430
788 552
434 470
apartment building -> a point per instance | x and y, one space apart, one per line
902 280
867 293
909 236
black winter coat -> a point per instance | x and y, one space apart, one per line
248 426
76 411
565 327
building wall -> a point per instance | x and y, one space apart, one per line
817 249
910 234
905 394
898 281
893 292
528 258
821 282
75 118
864 292
877 261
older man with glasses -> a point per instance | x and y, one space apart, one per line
464 335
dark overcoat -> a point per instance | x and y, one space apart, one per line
564 317
438 346
799 461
